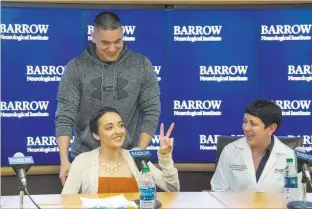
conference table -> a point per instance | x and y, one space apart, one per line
169 200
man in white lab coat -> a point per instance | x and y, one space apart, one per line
257 161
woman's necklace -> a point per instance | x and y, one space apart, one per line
112 169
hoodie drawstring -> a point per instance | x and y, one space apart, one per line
102 82
114 80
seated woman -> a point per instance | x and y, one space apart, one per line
257 161
110 169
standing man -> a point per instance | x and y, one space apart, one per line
107 73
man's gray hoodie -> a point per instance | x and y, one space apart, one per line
129 84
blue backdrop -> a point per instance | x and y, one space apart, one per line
210 64
194 65
284 71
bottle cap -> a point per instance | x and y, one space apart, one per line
289 160
145 169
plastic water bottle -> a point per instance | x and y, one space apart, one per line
291 182
147 189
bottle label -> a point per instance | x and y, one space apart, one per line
291 182
147 193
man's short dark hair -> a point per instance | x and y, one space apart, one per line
266 110
107 21
94 121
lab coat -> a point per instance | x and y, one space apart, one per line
235 171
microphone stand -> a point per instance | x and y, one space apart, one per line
304 187
143 164
22 190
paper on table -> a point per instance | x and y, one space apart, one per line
118 201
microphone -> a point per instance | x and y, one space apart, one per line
21 165
141 157
303 161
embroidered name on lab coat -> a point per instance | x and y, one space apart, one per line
278 170
235 167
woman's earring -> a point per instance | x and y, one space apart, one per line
96 136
